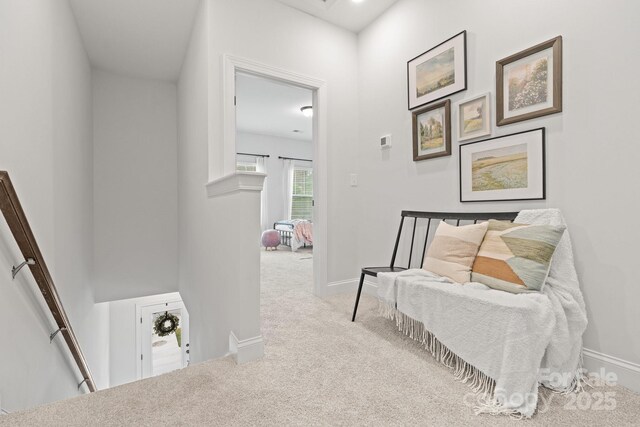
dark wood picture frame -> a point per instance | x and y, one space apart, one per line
556 107
419 103
446 104
539 190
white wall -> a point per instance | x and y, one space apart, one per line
274 147
123 351
135 186
203 295
262 31
45 145
219 260
592 154
32 371
210 272
73 192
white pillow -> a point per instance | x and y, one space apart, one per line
453 250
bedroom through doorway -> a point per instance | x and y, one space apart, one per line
274 135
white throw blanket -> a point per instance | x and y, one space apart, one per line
564 353
498 341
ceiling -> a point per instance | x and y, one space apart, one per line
269 107
149 38
145 38
344 13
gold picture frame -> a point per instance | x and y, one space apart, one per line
474 117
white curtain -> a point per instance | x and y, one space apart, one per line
261 166
288 187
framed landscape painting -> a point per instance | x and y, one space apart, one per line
432 131
529 83
474 117
438 72
510 167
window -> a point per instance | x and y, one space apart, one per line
302 194
246 166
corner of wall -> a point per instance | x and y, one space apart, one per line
246 350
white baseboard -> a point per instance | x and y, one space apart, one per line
351 285
246 350
628 373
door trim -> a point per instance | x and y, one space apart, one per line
138 318
232 65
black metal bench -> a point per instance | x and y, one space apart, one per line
458 217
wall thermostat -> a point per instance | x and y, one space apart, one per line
385 142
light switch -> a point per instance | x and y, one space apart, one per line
353 179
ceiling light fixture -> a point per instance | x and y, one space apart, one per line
307 111
357 1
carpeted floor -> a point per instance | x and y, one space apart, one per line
318 369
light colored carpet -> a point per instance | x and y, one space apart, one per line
319 369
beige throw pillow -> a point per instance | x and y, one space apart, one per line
453 250
516 257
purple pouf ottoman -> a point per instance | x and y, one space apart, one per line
270 239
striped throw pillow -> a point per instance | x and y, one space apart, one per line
516 257
453 250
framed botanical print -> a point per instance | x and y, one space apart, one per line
474 117
529 83
438 72
432 131
510 167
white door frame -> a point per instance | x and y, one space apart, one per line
234 64
141 326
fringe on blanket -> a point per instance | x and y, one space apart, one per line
578 382
464 372
479 382
488 405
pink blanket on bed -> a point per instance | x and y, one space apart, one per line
303 231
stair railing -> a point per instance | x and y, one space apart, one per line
21 230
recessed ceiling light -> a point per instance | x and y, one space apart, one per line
357 1
307 111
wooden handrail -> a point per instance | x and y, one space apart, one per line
17 221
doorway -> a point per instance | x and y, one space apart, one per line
274 135
318 176
163 338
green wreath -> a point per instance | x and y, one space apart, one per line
166 324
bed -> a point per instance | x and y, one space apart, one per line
295 233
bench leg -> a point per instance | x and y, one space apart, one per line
355 308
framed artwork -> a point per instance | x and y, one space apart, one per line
474 117
510 167
529 83
432 131
439 72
